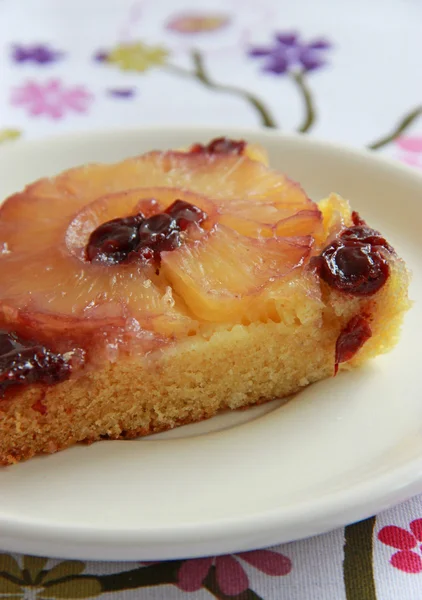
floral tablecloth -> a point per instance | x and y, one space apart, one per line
348 72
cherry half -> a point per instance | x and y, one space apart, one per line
137 237
355 262
25 362
114 240
220 145
351 339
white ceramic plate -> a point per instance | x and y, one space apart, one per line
341 450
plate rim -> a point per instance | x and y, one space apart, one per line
347 505
211 130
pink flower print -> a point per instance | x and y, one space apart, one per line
408 558
410 150
190 23
230 575
51 98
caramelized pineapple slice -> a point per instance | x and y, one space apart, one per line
257 229
221 277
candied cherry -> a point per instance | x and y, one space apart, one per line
113 241
25 362
185 214
355 261
366 235
351 339
158 234
220 145
138 237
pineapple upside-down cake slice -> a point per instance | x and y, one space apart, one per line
157 291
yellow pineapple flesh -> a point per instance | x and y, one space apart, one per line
259 227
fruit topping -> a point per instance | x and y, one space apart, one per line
235 231
357 219
112 242
355 262
365 235
351 339
221 145
24 362
223 277
157 234
185 214
136 237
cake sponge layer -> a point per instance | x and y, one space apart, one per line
229 369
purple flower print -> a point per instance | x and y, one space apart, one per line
230 575
51 99
289 53
37 53
122 92
101 56
290 56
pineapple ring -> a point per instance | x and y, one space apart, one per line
45 288
148 201
223 179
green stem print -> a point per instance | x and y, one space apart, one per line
211 585
401 127
299 78
358 561
200 74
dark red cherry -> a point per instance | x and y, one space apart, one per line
113 241
365 235
357 219
137 237
158 233
221 145
185 214
355 262
25 362
351 339
357 269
